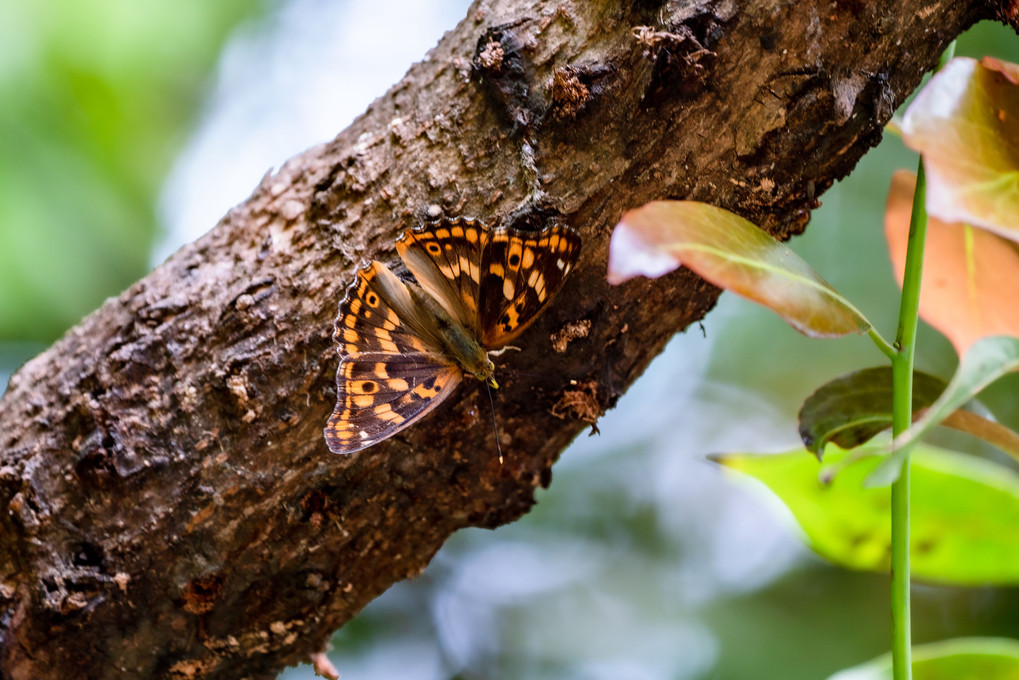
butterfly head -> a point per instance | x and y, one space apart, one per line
488 375
483 369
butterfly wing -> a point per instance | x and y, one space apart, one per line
379 315
445 258
521 273
393 369
380 393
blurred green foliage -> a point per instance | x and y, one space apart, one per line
964 511
96 97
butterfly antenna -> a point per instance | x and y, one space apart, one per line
495 424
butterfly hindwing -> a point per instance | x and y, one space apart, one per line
520 273
445 258
380 393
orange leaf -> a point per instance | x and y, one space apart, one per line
965 123
970 276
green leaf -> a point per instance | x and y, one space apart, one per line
849 410
964 513
965 123
733 254
959 659
987 360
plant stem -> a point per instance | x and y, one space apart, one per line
902 415
882 344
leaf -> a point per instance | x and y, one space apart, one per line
991 432
958 659
965 123
733 254
970 276
964 511
987 360
849 410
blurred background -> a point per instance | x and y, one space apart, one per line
127 129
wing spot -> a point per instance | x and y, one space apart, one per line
467 266
425 392
559 263
363 400
372 299
510 319
364 386
398 385
528 258
497 270
386 341
442 234
433 249
380 370
507 289
514 255
457 231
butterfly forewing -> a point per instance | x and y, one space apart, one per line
445 258
379 393
520 273
377 315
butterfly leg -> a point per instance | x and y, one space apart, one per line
499 352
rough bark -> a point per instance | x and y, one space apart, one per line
170 507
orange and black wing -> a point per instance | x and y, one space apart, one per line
520 274
380 393
393 369
445 258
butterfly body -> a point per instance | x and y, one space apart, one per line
457 341
405 347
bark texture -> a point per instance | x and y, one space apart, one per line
169 507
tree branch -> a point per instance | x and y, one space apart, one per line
171 507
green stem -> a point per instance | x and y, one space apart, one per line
882 344
902 415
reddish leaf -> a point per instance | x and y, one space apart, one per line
733 254
970 276
965 123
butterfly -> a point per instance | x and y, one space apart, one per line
404 347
